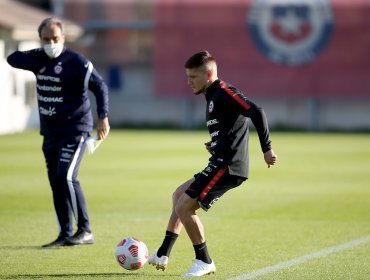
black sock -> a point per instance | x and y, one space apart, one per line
168 242
201 253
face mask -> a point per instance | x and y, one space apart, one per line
53 50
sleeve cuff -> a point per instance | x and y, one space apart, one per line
103 115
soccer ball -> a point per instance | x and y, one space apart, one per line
131 253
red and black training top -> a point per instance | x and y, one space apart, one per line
228 111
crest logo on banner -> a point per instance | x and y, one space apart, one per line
290 32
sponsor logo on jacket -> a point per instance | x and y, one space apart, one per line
50 99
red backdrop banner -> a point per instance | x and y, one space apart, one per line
267 48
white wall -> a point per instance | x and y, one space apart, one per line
15 114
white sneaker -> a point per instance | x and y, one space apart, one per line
158 262
200 268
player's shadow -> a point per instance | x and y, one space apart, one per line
36 247
19 247
86 276
57 276
78 276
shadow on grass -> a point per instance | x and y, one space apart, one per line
20 247
33 247
85 275
138 275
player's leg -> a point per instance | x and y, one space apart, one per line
70 156
174 223
208 187
185 209
60 199
189 202
160 257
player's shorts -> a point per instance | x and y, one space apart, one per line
211 183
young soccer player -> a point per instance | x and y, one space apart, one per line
228 111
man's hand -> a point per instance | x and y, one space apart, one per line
270 158
208 146
102 128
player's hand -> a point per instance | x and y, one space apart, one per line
270 158
102 128
208 146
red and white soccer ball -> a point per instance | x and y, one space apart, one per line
131 253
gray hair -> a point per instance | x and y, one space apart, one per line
49 22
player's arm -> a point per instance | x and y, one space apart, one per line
259 120
26 60
99 88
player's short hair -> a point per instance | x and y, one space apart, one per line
199 59
49 22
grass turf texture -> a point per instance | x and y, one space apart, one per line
317 196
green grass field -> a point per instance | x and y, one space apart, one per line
318 196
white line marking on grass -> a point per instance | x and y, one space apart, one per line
302 259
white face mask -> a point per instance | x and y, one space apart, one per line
53 50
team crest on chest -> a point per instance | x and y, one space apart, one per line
58 68
210 106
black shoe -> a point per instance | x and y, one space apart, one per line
80 237
60 241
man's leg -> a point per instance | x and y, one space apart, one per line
203 192
160 256
60 198
71 153
185 209
174 224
